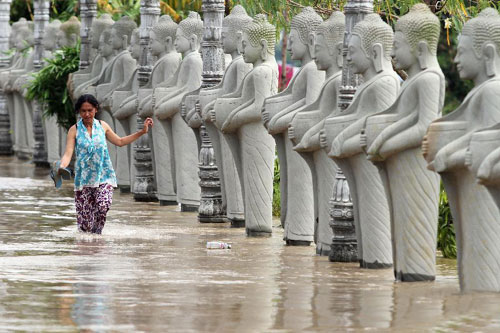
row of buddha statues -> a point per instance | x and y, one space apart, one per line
392 142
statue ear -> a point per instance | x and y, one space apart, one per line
124 42
193 42
310 44
239 39
168 42
339 51
489 54
378 57
422 54
263 53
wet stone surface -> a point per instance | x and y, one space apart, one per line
150 272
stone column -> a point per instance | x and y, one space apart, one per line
5 138
344 246
41 20
211 209
88 12
144 186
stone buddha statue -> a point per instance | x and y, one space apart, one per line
239 113
232 196
475 213
369 54
297 198
393 140
97 61
69 34
21 110
167 102
125 118
309 120
49 123
118 71
162 37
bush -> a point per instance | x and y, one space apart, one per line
49 86
446 241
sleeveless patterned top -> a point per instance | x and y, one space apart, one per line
93 165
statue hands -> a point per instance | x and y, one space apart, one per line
291 132
323 141
425 146
266 117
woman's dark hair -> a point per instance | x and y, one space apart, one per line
88 98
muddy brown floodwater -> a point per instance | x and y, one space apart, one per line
150 272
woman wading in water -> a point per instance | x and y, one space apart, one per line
94 174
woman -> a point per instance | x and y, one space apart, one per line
94 174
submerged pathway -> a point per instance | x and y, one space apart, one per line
150 272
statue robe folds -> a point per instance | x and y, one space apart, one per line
475 214
306 126
412 190
371 210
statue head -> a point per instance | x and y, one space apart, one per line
232 27
479 46
121 32
98 26
189 33
162 35
105 47
15 29
49 40
416 37
69 32
328 39
24 38
258 40
370 45
301 27
135 44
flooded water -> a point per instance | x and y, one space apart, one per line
150 272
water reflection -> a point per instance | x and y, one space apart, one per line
150 272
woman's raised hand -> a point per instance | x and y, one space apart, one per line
148 122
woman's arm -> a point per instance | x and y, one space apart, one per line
70 147
120 142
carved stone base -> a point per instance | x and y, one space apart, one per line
251 233
5 137
124 188
168 203
292 242
211 209
40 157
237 223
144 187
189 208
344 245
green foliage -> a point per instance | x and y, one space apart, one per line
276 189
49 86
446 241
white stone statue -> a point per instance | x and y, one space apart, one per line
117 72
309 120
475 214
232 195
126 118
369 51
393 139
50 127
98 62
162 39
167 102
297 198
69 34
239 113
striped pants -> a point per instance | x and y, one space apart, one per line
92 205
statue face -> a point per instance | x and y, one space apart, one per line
181 43
229 40
402 53
298 50
105 48
356 56
322 56
251 54
116 39
135 47
468 64
156 46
